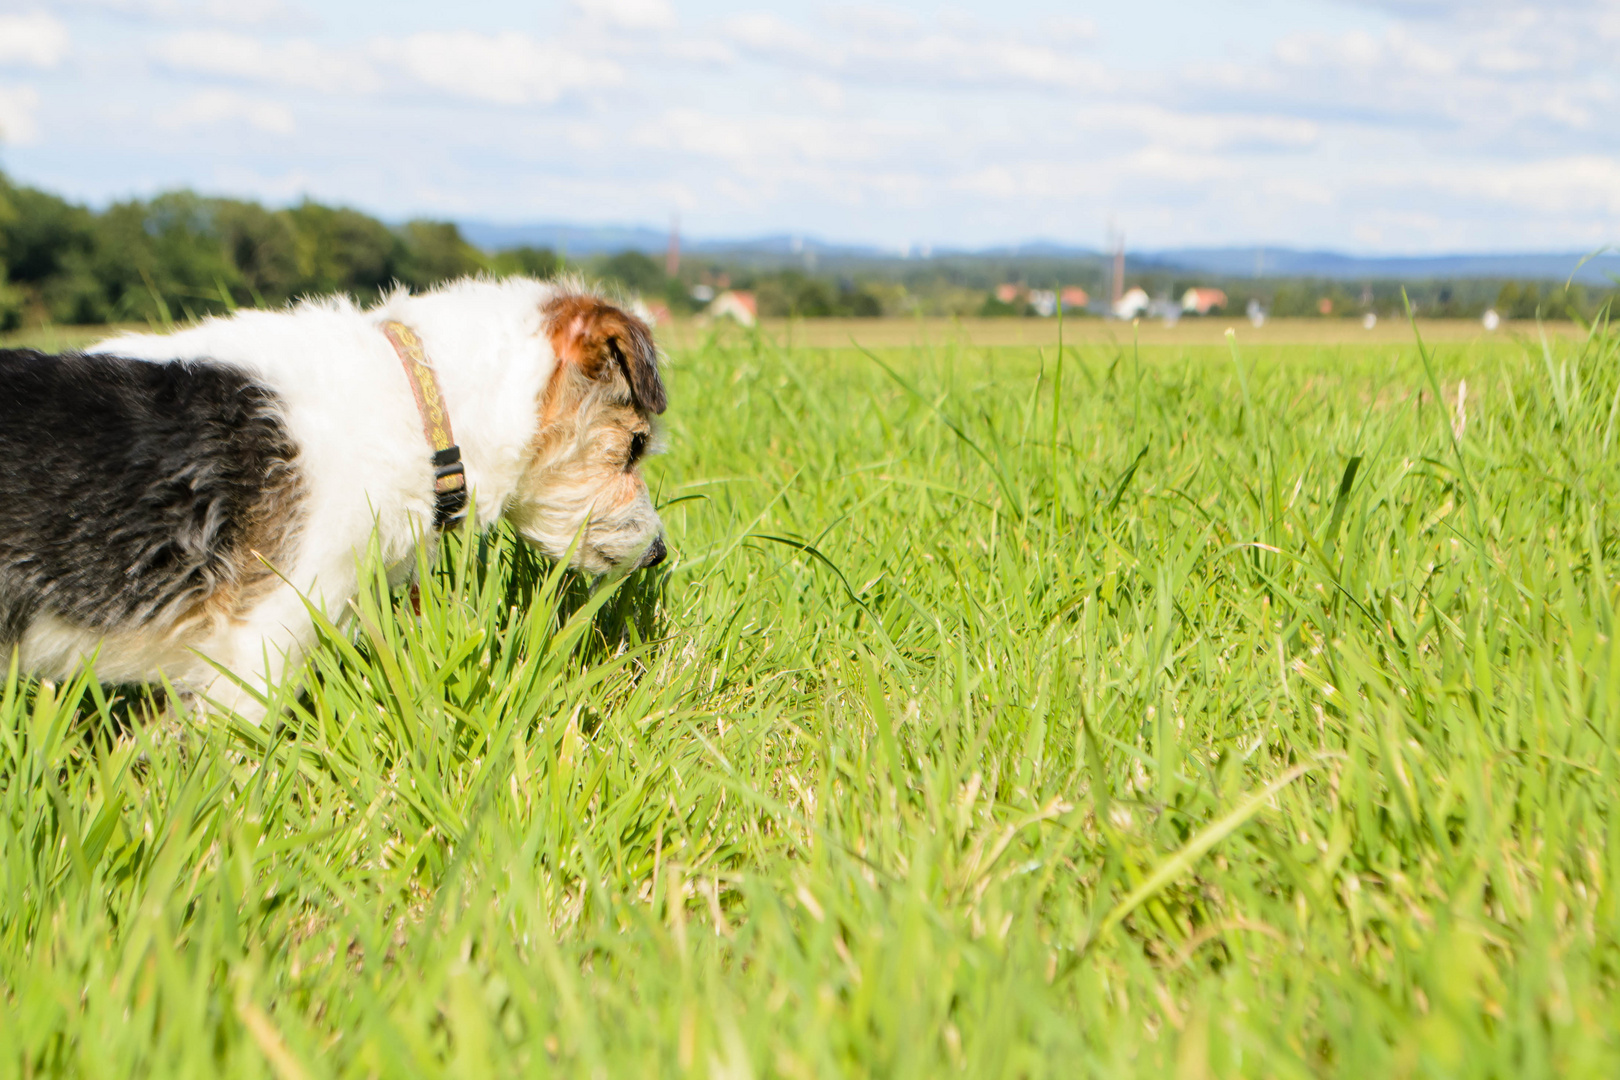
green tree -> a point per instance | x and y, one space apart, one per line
434 251
528 261
262 245
11 297
152 260
1518 300
40 232
342 250
791 292
635 271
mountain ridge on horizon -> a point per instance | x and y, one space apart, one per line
1224 260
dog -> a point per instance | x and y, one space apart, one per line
169 503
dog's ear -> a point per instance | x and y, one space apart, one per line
598 339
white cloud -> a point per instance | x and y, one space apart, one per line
1396 230
768 34
778 144
17 105
507 68
826 93
1029 181
224 12
1178 167
1310 192
629 14
252 12
1588 184
872 19
295 63
1477 78
1426 124
36 39
1201 131
214 107
875 50
699 51
1451 9
1361 51
1070 30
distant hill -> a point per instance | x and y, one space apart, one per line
611 239
573 239
586 240
1284 262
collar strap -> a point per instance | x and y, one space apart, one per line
449 477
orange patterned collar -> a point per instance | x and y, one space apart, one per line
449 477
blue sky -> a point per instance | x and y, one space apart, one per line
1400 126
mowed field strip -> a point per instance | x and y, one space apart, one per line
1191 332
1139 710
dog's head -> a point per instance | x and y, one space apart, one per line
596 423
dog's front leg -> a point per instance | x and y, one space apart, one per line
256 652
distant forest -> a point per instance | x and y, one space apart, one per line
182 255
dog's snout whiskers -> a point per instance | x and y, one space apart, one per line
655 553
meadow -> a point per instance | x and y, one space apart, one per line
1135 708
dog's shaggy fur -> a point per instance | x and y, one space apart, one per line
169 502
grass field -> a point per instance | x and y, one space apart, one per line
1186 333
1130 711
685 334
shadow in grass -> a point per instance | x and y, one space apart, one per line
636 614
129 705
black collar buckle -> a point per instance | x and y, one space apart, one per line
449 488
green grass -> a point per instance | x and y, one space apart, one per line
60 338
1238 717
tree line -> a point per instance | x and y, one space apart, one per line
182 255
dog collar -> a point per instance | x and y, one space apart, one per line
449 476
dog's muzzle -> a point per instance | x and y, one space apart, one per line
654 554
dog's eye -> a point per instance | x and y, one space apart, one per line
638 446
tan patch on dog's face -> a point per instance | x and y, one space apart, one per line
596 425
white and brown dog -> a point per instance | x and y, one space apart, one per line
169 502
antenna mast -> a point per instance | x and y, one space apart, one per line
672 258
1116 241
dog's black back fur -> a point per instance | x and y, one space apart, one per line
130 489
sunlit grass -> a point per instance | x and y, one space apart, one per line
1236 717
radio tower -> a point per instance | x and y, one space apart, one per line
672 258
1116 240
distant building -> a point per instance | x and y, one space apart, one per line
1043 302
1074 298
1132 303
738 306
1008 293
1202 301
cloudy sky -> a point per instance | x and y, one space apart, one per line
1363 125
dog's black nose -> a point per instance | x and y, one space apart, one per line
655 553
